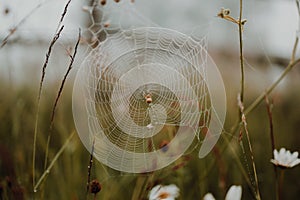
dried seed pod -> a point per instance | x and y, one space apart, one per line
102 2
95 187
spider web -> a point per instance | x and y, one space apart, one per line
144 93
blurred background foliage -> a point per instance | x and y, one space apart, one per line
20 70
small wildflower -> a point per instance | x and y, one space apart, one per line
234 193
168 192
209 196
285 159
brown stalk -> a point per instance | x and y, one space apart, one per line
55 38
270 116
90 168
244 122
59 94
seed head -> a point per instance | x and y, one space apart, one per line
95 186
102 2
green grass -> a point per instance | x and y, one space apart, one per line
68 177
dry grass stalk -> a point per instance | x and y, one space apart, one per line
57 155
60 92
245 129
55 38
90 167
269 106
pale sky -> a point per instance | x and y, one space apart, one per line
271 24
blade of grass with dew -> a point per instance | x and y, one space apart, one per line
58 154
243 119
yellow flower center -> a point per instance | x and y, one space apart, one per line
163 195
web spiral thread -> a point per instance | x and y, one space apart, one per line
143 94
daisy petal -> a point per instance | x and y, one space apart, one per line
234 193
295 162
295 155
209 196
276 154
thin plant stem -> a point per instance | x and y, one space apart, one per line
225 14
280 187
243 119
261 97
58 154
252 161
55 38
294 49
90 168
291 64
59 27
72 57
269 111
297 36
240 24
63 14
139 186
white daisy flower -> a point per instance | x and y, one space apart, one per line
209 196
234 193
285 159
168 192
